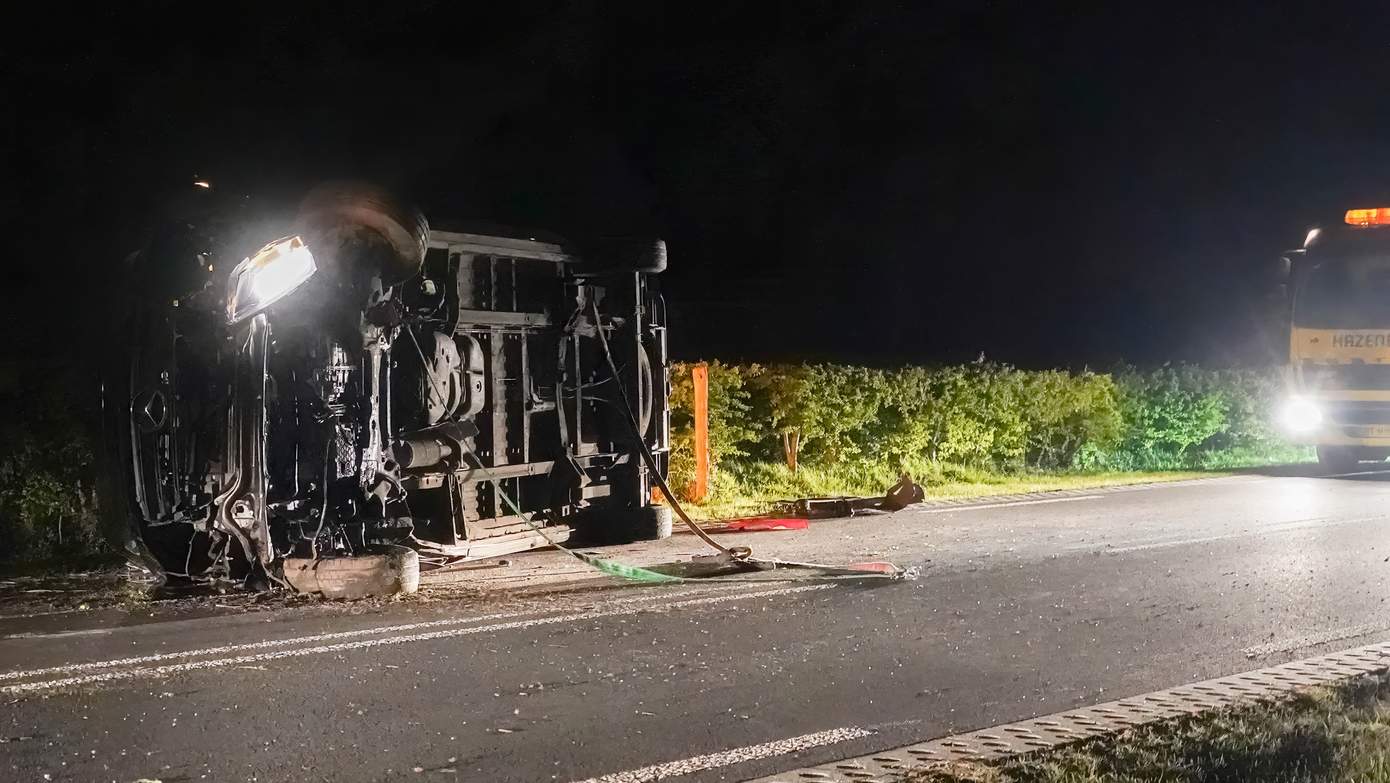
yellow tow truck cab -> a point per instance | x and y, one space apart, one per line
1338 375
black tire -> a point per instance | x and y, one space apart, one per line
622 254
1337 459
614 420
347 214
650 523
607 526
390 570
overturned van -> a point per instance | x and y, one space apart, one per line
355 383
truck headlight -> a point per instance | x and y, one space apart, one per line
268 276
1300 415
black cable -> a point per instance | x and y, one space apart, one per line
323 514
739 552
424 368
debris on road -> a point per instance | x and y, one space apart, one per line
898 497
727 566
392 571
903 494
756 524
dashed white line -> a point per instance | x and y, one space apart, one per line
323 637
1313 639
1248 479
1357 473
950 509
29 615
1119 550
240 660
728 758
1290 527
60 634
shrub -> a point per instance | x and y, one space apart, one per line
984 415
1065 413
830 408
1185 416
48 503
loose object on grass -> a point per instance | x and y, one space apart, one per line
904 493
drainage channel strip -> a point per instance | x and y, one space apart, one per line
1062 728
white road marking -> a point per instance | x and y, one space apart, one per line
242 660
323 637
26 616
727 758
59 634
1248 479
1357 473
951 509
1313 639
1291 527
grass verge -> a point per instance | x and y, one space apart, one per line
1339 733
746 489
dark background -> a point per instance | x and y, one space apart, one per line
874 183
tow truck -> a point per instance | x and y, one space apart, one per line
1338 375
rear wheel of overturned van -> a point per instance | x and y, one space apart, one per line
1348 459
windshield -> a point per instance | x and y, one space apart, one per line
1345 293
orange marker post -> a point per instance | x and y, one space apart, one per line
699 376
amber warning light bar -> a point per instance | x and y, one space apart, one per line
1376 216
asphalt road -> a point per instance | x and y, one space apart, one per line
1023 607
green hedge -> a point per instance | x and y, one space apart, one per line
984 415
48 481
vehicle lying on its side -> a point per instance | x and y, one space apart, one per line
363 381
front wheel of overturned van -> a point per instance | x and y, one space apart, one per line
1337 459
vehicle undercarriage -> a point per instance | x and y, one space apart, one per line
368 385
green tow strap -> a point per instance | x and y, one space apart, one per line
623 570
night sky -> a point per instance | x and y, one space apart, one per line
897 182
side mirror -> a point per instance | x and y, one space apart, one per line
1282 271
1284 266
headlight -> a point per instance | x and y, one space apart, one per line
1300 416
261 280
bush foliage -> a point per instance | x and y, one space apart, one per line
48 493
986 416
